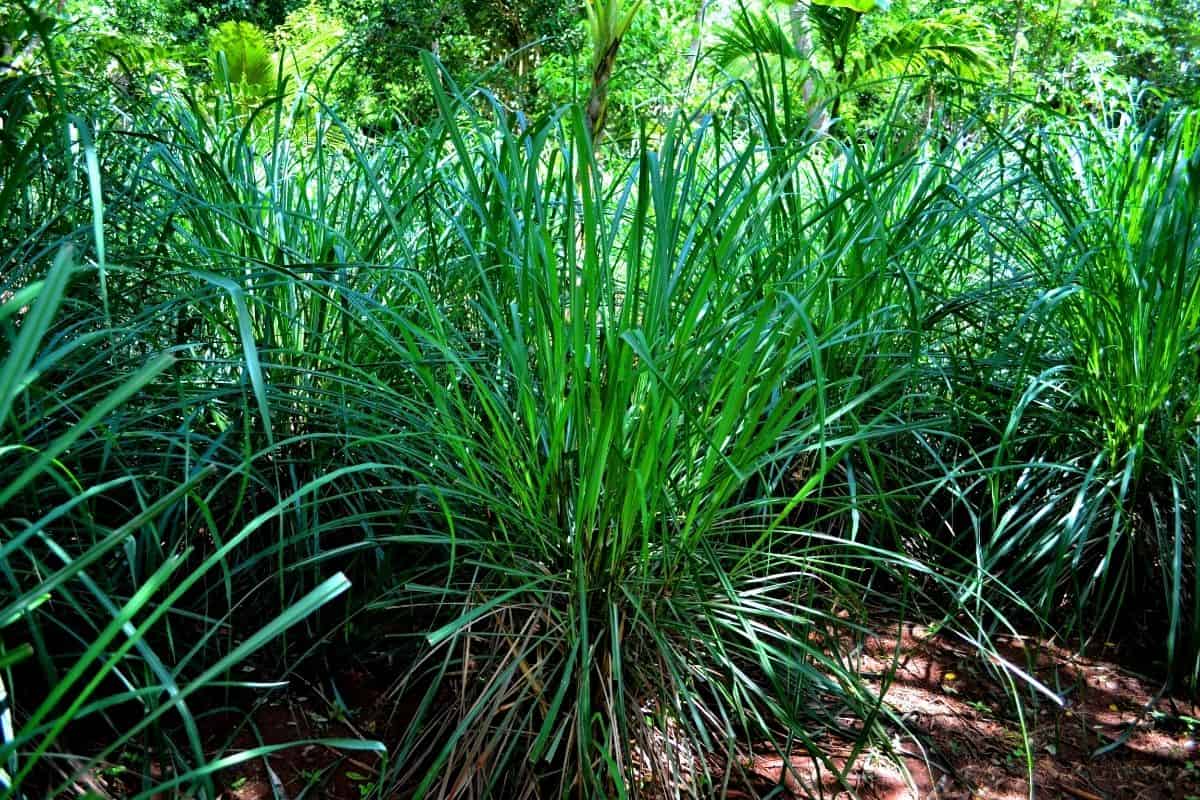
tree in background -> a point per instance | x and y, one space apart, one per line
1078 55
189 20
856 47
842 56
608 22
650 78
494 43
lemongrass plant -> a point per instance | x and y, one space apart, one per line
628 427
124 533
1124 301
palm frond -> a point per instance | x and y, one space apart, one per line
953 42
753 34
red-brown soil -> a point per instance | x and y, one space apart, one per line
964 743
967 741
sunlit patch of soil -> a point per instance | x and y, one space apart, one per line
1113 738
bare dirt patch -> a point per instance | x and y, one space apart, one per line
1116 737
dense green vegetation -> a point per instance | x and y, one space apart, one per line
613 372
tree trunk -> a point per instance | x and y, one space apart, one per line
802 37
1018 24
697 41
597 105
